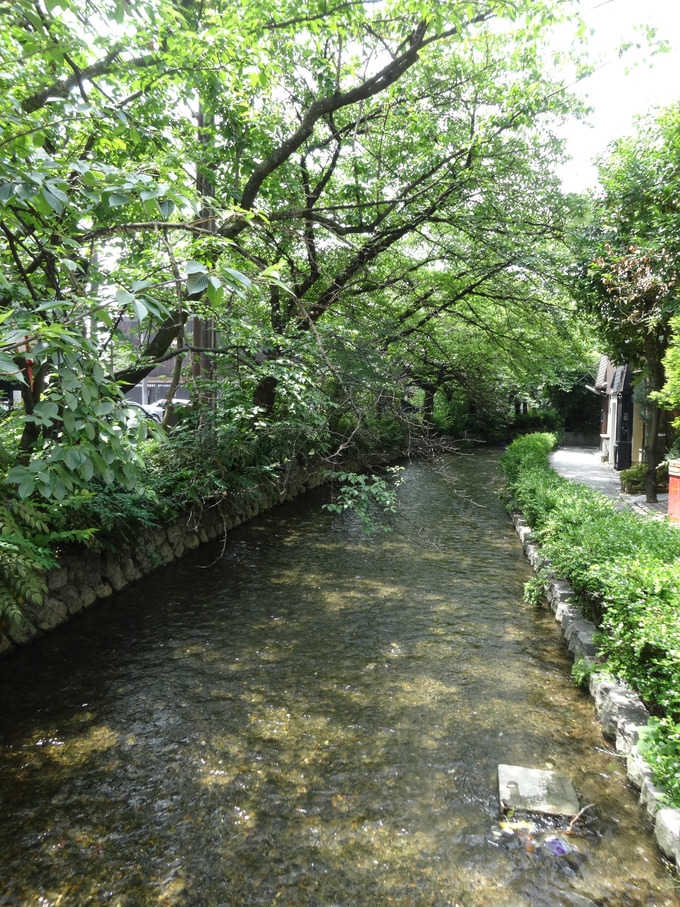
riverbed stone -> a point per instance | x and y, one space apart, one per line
87 595
212 532
113 573
92 571
130 570
70 596
536 790
568 615
176 536
667 833
22 633
104 590
167 553
191 540
599 687
533 555
148 559
575 625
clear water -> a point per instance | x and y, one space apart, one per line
316 718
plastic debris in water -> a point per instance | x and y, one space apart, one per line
557 846
517 825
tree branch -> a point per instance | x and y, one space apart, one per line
62 87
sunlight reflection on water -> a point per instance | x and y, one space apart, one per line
316 720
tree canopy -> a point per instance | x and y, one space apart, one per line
314 214
630 252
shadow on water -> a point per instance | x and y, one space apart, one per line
315 719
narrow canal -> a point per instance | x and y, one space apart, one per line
315 719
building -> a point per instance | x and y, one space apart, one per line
622 429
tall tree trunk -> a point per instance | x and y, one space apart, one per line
428 403
264 394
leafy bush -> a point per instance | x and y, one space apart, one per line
626 572
30 535
117 513
366 496
633 479
581 672
659 743
537 420
526 452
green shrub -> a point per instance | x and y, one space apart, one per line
526 452
581 672
626 573
30 535
538 420
659 743
633 479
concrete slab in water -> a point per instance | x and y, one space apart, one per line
536 791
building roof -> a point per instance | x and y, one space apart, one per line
621 381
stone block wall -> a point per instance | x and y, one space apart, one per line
84 578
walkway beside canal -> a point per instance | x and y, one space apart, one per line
584 464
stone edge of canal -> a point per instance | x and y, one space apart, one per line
619 710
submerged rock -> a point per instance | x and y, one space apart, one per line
536 790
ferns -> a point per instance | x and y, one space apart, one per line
30 534
22 561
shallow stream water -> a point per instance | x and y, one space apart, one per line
316 718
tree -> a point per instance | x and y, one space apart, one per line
315 155
350 199
633 247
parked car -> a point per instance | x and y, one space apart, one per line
146 410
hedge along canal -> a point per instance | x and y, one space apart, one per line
315 718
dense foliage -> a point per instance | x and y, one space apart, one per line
339 226
629 247
626 573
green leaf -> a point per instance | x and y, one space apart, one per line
86 470
123 297
72 459
241 278
27 487
141 311
9 367
56 192
104 408
69 422
117 199
53 201
197 283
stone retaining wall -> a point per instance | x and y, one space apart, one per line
619 710
84 578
